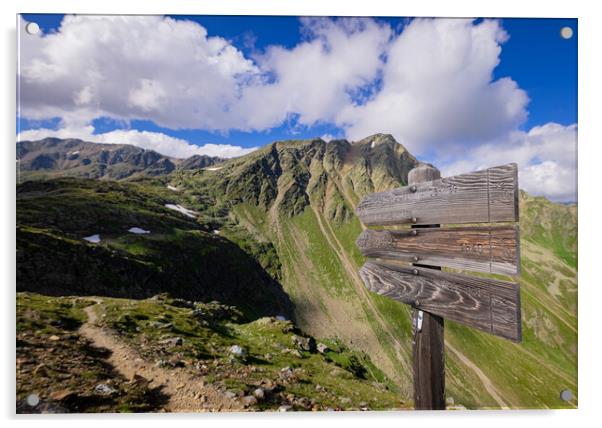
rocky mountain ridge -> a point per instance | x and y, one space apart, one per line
53 157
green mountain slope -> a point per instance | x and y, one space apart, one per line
178 255
300 196
289 206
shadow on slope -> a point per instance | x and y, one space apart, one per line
177 256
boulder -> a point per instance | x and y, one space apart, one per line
63 394
238 351
307 344
172 341
322 348
104 389
248 400
230 395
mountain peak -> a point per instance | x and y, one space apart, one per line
378 139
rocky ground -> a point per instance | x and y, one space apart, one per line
163 354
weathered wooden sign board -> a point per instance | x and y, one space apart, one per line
486 304
481 249
486 196
493 306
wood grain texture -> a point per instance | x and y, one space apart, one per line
429 363
485 196
428 341
481 249
486 304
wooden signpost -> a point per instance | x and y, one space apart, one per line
493 306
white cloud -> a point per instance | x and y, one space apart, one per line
148 96
315 79
157 141
171 72
132 67
437 88
436 81
431 86
546 156
83 97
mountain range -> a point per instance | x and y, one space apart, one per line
73 157
274 232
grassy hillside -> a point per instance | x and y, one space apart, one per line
178 255
300 197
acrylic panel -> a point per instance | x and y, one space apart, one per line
280 213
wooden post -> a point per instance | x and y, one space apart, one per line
429 351
493 306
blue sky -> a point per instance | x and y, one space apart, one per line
535 56
528 96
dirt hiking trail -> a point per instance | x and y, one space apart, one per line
187 392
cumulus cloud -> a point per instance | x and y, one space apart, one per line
437 88
431 86
546 156
132 67
317 78
148 96
171 72
157 141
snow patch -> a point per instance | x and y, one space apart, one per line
95 239
215 232
175 189
373 144
181 209
213 168
73 153
138 231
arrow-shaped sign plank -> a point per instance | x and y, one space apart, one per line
486 196
486 304
481 249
